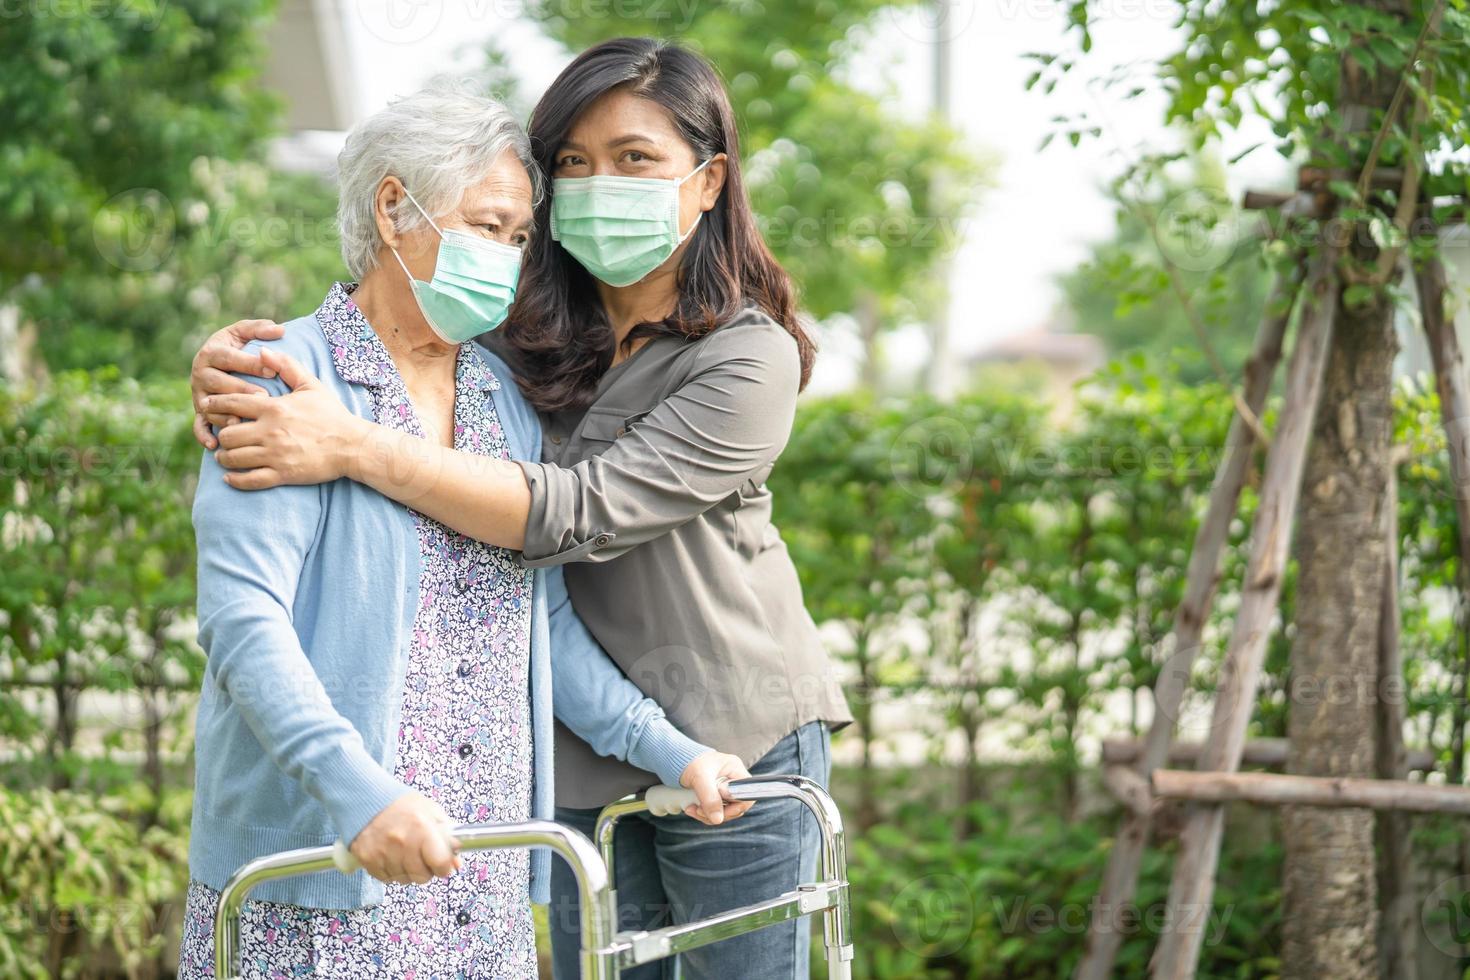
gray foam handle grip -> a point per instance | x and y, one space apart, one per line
668 801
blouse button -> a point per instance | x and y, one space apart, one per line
620 432
462 584
463 918
463 669
465 750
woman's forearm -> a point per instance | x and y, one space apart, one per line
482 498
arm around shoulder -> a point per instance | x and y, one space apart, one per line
725 424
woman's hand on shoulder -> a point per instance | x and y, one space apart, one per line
304 437
212 372
708 775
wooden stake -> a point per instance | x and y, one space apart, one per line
1454 412
1454 395
1279 789
1128 788
1398 909
1192 890
1120 878
1266 753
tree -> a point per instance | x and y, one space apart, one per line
95 481
96 610
1365 92
1122 292
127 229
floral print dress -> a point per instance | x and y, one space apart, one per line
464 739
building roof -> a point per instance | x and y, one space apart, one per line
1043 344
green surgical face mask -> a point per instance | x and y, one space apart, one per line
619 228
473 287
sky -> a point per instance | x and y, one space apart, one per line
1044 206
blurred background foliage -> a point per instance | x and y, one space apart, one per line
996 578
997 587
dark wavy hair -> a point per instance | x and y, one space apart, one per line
557 332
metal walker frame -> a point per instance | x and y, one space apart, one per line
606 952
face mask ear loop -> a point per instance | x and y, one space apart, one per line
677 184
681 180
685 237
431 225
426 214
400 263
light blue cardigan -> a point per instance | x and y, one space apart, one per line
307 596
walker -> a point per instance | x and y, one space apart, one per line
606 952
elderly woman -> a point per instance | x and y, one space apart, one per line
373 675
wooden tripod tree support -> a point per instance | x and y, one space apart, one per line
1120 879
1454 394
1267 753
1192 890
1142 785
1277 789
1398 957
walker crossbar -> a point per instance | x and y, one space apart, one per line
571 846
604 954
828 896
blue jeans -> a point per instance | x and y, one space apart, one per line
676 869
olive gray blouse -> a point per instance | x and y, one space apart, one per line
654 497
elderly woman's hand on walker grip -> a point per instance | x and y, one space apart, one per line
408 842
707 776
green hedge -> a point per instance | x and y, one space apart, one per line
998 577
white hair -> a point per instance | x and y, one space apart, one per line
439 142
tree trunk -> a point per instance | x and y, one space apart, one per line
1073 689
870 331
1329 887
970 707
1330 896
862 712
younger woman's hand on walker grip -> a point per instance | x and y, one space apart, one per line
707 776
408 842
